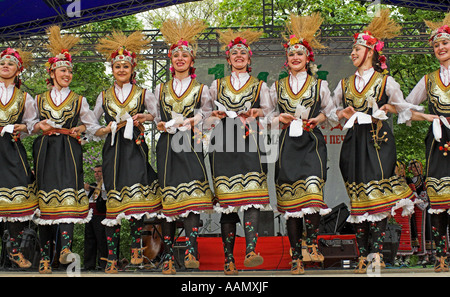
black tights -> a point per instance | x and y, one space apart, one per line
367 230
295 231
228 229
113 237
191 225
64 234
439 225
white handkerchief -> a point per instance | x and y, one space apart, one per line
362 118
376 113
437 130
172 125
296 128
230 113
7 129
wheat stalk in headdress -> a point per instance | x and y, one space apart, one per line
56 42
187 30
134 43
306 27
27 57
225 37
436 25
383 27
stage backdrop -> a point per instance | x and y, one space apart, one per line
270 69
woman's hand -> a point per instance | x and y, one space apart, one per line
42 125
19 128
141 118
254 113
219 114
104 130
286 118
388 108
347 112
78 130
313 122
161 126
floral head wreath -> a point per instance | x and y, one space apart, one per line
122 55
59 46
14 56
238 43
440 30
381 27
296 44
238 40
181 35
303 32
122 48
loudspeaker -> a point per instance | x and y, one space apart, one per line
391 243
266 223
338 248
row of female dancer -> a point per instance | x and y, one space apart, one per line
294 105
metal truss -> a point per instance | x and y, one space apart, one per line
436 5
337 38
121 8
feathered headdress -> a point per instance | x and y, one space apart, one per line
59 47
21 58
302 32
233 39
382 27
119 47
440 30
182 35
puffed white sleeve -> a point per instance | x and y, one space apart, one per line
157 116
88 118
30 114
327 106
150 103
206 103
335 104
266 101
396 98
274 98
98 108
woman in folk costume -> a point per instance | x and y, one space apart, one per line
130 182
302 103
182 103
368 153
58 157
239 175
18 201
435 89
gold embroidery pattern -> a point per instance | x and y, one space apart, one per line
136 193
185 104
390 188
61 114
438 189
132 104
313 185
195 192
374 88
15 197
438 94
235 100
306 96
10 112
67 198
250 182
